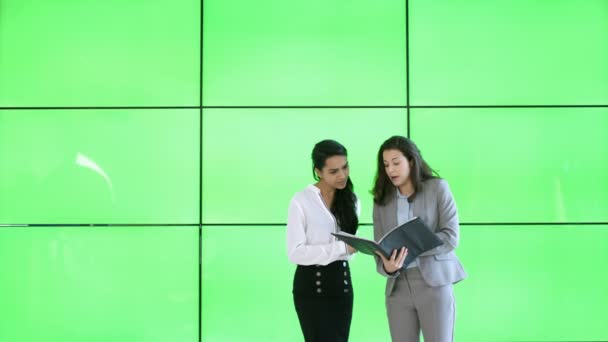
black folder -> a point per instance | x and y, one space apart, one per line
413 234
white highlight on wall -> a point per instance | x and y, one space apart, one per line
87 162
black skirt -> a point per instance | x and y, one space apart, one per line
323 299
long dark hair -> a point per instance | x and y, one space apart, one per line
420 171
343 205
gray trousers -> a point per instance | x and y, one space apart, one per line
414 306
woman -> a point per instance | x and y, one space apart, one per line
322 289
419 297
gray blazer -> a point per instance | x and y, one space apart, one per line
435 205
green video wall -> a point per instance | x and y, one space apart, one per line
149 149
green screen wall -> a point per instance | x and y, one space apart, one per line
149 149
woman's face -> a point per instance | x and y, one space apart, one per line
396 166
335 172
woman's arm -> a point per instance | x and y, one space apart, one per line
396 258
447 220
299 251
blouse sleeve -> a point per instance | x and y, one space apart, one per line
299 251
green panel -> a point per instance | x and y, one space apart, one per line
99 284
99 53
520 165
255 291
103 166
273 52
254 160
533 283
541 279
508 52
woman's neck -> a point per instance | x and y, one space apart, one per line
327 193
406 189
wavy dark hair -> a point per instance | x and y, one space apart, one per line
420 170
344 204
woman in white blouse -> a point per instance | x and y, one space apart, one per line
322 289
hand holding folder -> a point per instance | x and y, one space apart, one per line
413 234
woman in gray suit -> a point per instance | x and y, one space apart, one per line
419 295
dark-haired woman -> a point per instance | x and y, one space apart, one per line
419 297
322 289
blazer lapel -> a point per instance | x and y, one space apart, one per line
391 214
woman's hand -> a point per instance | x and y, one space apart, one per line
350 249
395 263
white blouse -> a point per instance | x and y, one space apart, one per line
309 228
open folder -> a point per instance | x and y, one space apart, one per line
413 234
